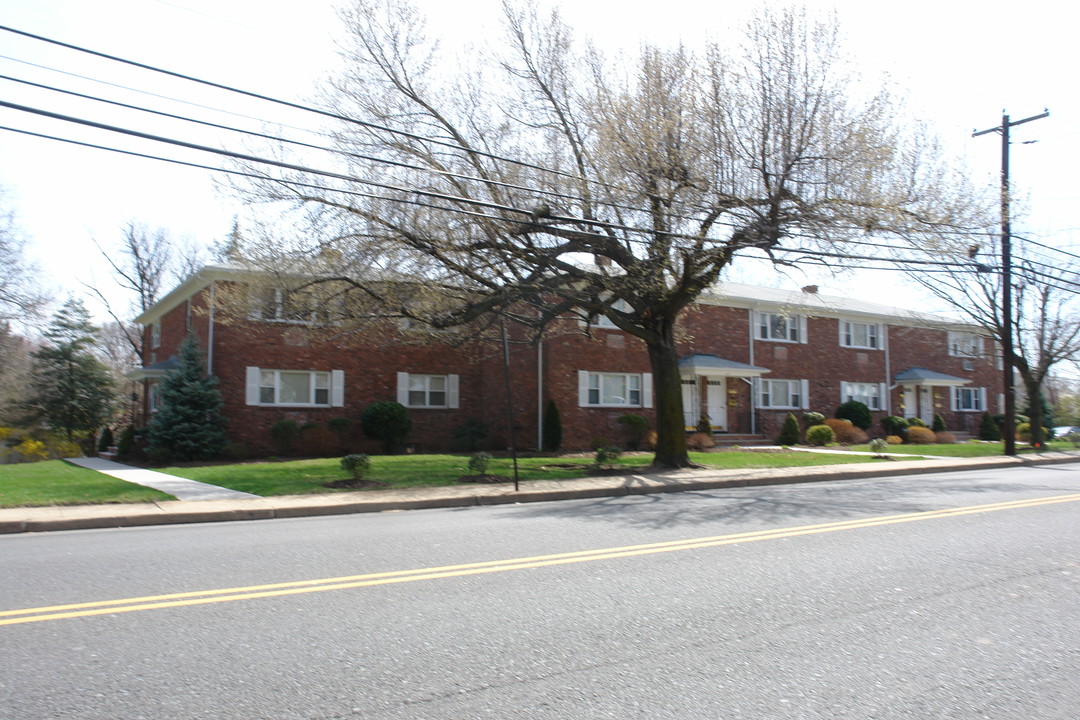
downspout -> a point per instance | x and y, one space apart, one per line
210 334
753 395
888 369
540 395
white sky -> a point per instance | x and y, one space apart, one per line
961 63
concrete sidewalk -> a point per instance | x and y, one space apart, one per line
178 487
79 517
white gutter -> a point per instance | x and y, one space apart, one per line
210 334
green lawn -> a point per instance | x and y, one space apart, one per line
299 477
980 449
55 482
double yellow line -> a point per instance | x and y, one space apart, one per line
251 592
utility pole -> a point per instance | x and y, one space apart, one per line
1007 348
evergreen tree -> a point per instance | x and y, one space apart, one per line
72 391
789 432
189 423
552 424
988 429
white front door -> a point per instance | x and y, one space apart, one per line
716 397
691 401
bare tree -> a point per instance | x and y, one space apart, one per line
548 181
1046 326
21 295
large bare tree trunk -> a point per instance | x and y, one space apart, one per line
670 426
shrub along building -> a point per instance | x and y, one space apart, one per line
749 356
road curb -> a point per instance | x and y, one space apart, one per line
88 517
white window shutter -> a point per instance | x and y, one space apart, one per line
253 386
452 391
982 398
583 387
646 390
802 329
403 388
843 392
883 396
954 395
755 393
337 388
841 324
804 390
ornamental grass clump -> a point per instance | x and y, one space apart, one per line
920 436
478 463
879 446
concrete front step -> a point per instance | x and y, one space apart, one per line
729 439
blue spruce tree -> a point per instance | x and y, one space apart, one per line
189 423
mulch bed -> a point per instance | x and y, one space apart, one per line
487 479
350 484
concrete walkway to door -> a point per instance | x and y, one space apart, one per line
180 488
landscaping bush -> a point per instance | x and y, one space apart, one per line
894 425
388 422
878 446
820 435
470 436
700 441
607 456
478 463
126 443
340 427
915 422
988 429
552 425
1023 432
600 442
634 429
945 438
283 433
31 450
357 465
813 418
938 425
857 412
920 435
650 440
894 440
704 425
845 432
789 432
159 456
106 440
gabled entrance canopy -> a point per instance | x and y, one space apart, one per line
713 366
156 371
922 376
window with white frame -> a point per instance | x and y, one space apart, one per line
782 394
868 394
426 390
962 344
153 396
301 307
608 389
774 326
969 399
860 335
295 388
604 321
155 335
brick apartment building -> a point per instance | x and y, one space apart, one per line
749 356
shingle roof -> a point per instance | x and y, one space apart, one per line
919 375
703 364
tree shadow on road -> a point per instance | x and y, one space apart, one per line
767 505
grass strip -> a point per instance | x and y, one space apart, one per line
55 482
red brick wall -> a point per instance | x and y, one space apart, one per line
372 358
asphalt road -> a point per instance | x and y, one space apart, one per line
936 596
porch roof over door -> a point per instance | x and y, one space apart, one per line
922 376
713 366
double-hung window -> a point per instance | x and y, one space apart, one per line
860 335
608 389
785 328
963 344
868 394
969 399
423 390
295 388
782 394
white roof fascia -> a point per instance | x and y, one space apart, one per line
190 287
